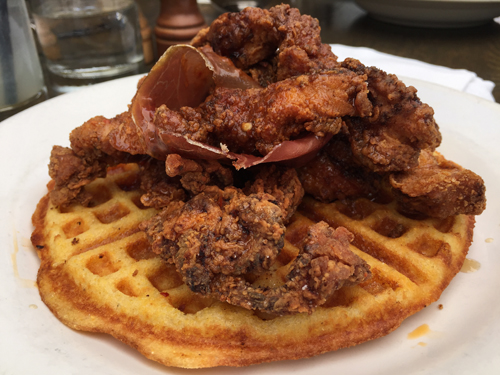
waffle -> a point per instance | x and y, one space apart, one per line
97 274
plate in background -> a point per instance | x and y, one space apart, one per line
432 13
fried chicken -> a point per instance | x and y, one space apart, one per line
70 173
218 223
279 42
324 265
196 176
159 189
335 174
96 145
401 125
436 187
216 231
282 183
218 236
387 125
249 121
255 120
439 188
223 231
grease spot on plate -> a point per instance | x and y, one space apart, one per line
470 265
419 332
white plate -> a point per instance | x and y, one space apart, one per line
433 13
464 337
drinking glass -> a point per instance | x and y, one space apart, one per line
21 77
85 40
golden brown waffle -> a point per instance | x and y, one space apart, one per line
97 274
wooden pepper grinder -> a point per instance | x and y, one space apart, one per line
179 21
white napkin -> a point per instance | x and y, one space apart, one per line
458 79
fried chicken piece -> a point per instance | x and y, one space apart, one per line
439 188
197 175
159 189
246 37
307 56
436 187
281 34
204 175
401 125
263 72
334 174
280 182
219 231
255 120
159 230
328 181
218 236
96 145
70 174
324 265
111 137
300 51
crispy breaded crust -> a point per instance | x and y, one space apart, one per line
97 274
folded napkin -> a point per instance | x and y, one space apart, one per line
458 79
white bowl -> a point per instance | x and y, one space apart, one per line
432 13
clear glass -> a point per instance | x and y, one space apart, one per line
21 77
89 39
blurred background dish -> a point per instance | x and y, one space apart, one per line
432 13
237 5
